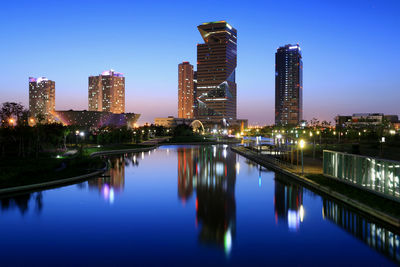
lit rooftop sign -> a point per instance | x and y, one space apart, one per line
112 73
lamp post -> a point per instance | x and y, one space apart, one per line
311 135
382 141
278 137
302 144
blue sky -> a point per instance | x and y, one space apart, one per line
350 51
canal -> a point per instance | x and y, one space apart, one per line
189 205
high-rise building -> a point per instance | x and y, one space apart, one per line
107 92
216 64
195 103
185 91
41 98
288 85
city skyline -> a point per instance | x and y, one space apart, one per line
337 53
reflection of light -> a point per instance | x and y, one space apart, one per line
224 153
112 195
301 213
219 168
215 151
237 166
106 191
228 241
293 220
142 155
259 181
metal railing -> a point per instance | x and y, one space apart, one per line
377 175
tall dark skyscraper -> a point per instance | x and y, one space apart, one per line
288 85
185 91
216 64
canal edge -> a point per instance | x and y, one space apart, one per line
347 200
70 180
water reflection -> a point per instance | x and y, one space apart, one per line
113 181
373 234
210 169
288 203
22 202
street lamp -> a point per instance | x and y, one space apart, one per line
11 121
302 143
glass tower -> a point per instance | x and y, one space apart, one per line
216 64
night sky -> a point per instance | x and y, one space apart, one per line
350 51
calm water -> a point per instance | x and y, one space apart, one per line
186 205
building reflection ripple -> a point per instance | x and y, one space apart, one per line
113 181
288 203
207 169
378 237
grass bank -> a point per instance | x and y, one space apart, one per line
18 172
187 139
89 150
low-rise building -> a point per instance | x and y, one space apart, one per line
96 119
171 121
365 119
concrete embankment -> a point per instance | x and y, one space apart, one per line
269 162
122 151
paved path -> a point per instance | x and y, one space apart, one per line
154 141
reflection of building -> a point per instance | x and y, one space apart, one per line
96 119
208 168
187 171
42 94
374 235
288 85
288 203
216 64
107 92
185 91
113 181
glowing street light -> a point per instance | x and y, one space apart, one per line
11 121
302 144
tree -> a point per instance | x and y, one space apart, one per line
183 130
11 110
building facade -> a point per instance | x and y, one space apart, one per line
365 119
185 91
216 65
107 92
42 94
96 119
288 85
171 121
